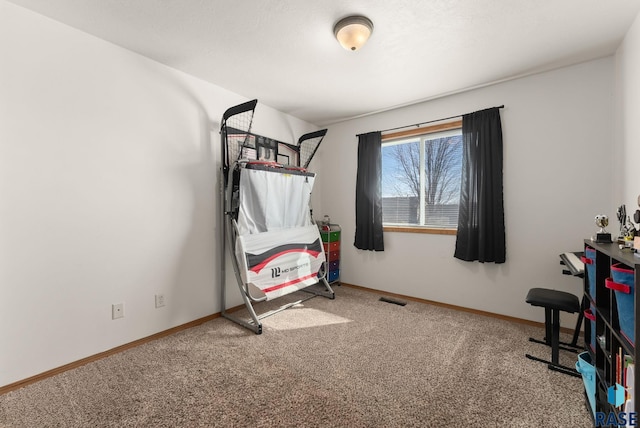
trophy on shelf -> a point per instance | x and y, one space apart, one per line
602 236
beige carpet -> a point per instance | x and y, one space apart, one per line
349 362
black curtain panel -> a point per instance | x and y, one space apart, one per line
369 193
481 234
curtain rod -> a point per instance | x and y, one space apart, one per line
429 121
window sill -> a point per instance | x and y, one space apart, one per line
418 229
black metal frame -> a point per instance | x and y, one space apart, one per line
552 339
236 124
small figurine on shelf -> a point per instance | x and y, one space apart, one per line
621 213
636 218
636 238
326 223
628 230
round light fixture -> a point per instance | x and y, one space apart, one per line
353 31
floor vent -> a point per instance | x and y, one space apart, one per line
394 301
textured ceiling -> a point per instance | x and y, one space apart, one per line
283 51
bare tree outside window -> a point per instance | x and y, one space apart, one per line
402 178
405 169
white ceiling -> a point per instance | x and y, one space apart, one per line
283 51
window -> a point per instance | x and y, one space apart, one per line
421 172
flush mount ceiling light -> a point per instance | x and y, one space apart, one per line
353 32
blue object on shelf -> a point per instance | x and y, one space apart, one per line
590 262
588 372
621 282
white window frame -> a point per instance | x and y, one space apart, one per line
423 134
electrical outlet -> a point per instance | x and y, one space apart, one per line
117 311
159 300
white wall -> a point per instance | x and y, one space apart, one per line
557 130
108 164
628 112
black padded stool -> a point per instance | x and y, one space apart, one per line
553 301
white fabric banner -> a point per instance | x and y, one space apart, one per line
282 261
273 200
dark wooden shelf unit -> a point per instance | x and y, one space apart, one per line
609 339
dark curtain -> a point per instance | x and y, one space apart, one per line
481 234
369 193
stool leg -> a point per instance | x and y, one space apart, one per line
555 337
576 332
548 323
